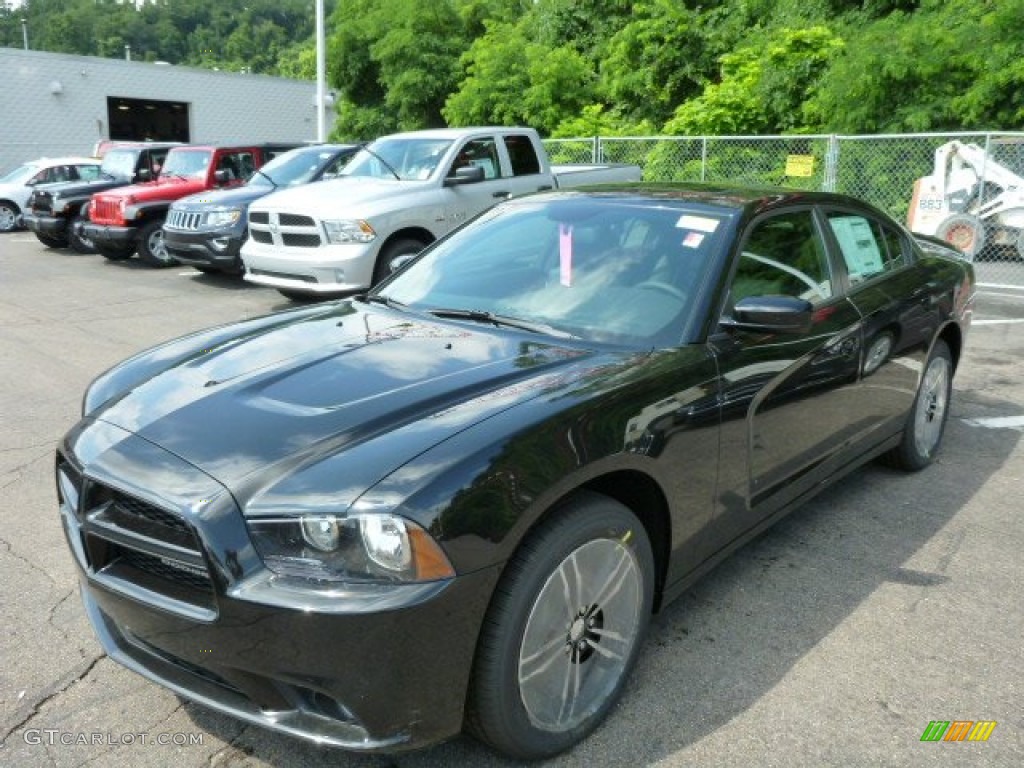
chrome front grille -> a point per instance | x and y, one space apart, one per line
183 220
134 547
289 230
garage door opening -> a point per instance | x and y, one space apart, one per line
147 119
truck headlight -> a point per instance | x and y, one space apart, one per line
325 549
223 217
348 231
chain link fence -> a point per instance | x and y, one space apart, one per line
965 187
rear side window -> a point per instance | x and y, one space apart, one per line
88 172
522 155
869 247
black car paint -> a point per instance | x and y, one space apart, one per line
706 443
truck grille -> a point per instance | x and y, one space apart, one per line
291 230
134 547
183 220
41 202
105 211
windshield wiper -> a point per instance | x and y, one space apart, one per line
482 316
376 298
384 162
272 182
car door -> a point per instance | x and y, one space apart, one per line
899 312
464 201
787 396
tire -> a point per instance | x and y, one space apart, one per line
50 241
152 249
926 422
964 231
115 252
79 243
546 673
396 250
9 214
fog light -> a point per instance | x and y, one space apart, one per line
220 243
339 275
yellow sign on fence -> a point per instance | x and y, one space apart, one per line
799 165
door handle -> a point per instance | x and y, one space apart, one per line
501 193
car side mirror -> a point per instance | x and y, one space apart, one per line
469 174
223 176
771 314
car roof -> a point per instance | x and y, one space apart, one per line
736 197
48 161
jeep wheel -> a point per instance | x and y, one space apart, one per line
116 252
78 242
50 241
152 248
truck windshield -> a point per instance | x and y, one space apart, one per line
405 158
189 164
119 163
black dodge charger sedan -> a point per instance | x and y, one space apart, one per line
453 503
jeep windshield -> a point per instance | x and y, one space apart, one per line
187 163
398 158
119 163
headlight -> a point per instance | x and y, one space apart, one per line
223 217
348 231
326 549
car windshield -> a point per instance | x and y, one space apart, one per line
291 169
405 159
188 163
21 173
120 162
617 271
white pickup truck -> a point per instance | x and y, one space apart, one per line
399 194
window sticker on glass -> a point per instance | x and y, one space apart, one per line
857 241
699 223
693 239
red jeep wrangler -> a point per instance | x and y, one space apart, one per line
129 218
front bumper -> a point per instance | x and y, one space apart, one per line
381 674
51 226
217 249
106 234
327 269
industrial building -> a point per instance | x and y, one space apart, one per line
61 104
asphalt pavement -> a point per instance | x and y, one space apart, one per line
892 601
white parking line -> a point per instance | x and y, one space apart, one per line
1007 286
998 422
190 273
1011 321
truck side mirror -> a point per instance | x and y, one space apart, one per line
223 176
144 174
470 174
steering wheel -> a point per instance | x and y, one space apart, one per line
657 285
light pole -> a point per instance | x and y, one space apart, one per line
127 52
321 66
24 31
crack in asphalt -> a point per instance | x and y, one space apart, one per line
29 710
26 561
229 746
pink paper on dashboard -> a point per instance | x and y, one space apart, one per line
565 254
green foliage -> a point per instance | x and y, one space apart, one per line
763 86
592 66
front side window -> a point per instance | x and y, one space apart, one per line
88 172
478 153
784 255
869 248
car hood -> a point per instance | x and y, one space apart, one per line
162 187
238 196
81 188
267 401
345 194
